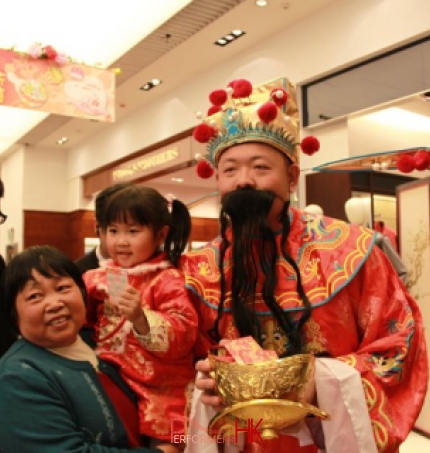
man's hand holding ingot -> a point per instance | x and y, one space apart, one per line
207 384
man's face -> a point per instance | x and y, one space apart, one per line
261 167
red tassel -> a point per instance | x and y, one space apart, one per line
203 133
405 163
218 97
422 160
204 169
310 145
267 112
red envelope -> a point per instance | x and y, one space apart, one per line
247 350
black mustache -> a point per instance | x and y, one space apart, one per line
243 204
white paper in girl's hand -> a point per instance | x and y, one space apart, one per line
117 281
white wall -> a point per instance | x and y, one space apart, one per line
45 176
367 135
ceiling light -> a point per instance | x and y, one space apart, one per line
229 37
149 85
221 42
177 179
261 2
425 96
62 140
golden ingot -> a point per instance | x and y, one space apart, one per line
267 415
277 379
268 393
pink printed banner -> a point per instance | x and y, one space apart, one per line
70 89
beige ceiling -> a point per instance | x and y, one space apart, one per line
191 32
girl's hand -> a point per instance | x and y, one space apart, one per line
129 305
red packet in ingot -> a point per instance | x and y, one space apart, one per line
247 350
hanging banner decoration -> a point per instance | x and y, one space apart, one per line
69 88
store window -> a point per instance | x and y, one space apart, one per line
396 74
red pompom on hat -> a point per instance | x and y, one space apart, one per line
421 160
267 112
218 97
279 96
204 169
406 163
310 145
242 88
203 133
213 109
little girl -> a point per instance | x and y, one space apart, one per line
144 321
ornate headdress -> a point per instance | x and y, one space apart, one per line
240 113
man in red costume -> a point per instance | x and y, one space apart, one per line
300 283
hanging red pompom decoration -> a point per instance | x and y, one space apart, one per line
50 52
405 163
203 133
204 169
310 145
267 112
242 88
218 97
213 109
279 96
422 160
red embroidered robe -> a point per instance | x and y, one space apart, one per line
362 315
159 367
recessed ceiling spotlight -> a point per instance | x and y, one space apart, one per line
62 140
149 85
229 37
261 2
177 179
425 96
221 42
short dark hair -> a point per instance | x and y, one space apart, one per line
103 197
45 259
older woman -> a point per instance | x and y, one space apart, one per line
56 395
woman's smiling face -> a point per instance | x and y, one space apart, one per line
51 311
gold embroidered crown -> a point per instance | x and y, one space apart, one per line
241 113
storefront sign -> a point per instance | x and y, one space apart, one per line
134 169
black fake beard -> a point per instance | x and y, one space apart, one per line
253 254
253 260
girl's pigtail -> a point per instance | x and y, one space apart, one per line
179 231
